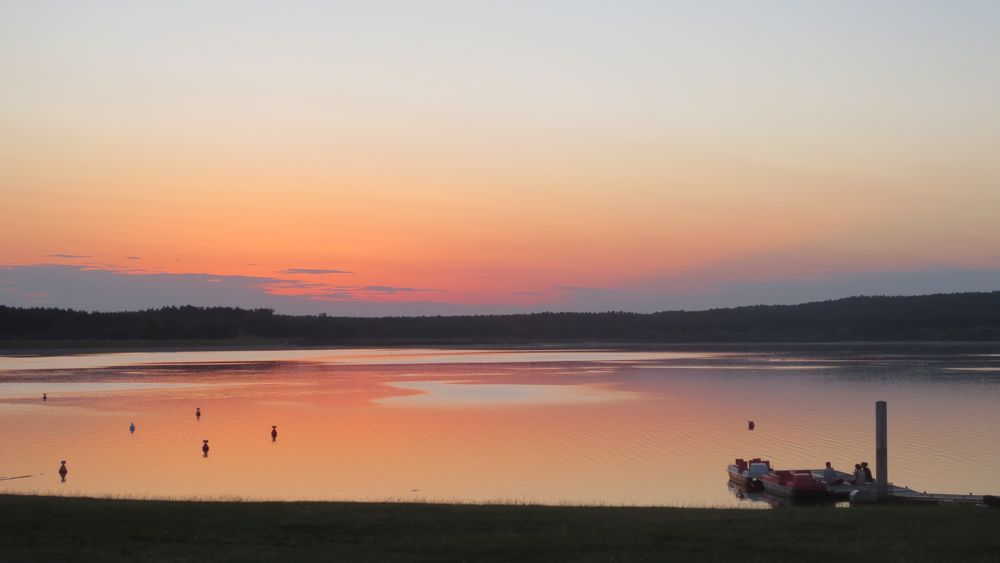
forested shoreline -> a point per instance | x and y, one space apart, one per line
939 317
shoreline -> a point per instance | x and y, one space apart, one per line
63 347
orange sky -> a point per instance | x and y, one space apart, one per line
496 159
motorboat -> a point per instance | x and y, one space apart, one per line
794 483
747 473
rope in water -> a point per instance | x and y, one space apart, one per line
20 477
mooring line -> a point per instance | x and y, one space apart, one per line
20 477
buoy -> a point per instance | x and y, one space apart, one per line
197 412
274 433
750 425
62 470
131 428
204 447
45 396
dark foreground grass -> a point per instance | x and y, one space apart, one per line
79 529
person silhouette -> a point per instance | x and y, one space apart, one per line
63 471
204 448
751 425
45 396
859 475
274 433
197 413
131 428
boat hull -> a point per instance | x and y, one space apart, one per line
747 473
793 484
791 492
748 483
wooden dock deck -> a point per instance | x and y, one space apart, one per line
899 494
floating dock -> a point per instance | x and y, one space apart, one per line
883 490
897 494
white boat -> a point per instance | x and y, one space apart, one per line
747 474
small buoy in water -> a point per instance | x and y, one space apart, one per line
131 428
197 412
62 470
204 447
274 433
750 425
45 396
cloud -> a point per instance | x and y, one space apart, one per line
705 291
90 288
391 289
297 284
314 271
67 256
95 289
580 289
336 296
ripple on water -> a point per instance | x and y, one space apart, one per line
581 426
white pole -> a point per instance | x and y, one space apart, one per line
881 451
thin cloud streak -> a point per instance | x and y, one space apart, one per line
391 289
314 271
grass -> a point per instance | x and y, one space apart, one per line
84 529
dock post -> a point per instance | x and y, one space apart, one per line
881 452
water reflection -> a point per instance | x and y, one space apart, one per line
761 499
642 429
748 496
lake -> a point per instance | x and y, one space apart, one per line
615 427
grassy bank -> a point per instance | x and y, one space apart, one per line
78 529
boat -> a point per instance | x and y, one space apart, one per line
747 474
795 483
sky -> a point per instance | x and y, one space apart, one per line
397 158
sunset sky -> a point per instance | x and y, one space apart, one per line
373 158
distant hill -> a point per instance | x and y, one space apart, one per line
954 316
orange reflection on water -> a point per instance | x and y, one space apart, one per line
637 431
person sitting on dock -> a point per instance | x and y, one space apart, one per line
859 475
830 475
868 472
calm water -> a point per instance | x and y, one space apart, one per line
538 426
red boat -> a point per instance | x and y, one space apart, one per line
747 474
796 483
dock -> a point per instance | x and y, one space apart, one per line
897 494
880 490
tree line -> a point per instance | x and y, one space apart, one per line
953 316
